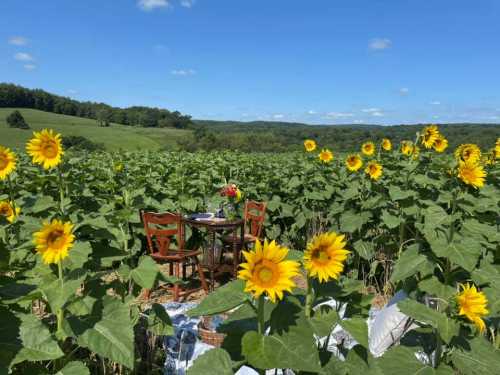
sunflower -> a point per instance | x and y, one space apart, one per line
497 149
54 240
368 148
118 167
386 144
374 170
45 148
353 162
310 145
471 173
325 256
267 271
429 135
407 148
7 162
489 158
325 155
440 144
7 210
468 152
473 305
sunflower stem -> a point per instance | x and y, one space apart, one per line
260 314
61 193
11 194
60 314
309 297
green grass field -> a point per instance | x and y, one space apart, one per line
114 137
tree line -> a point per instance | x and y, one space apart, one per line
17 96
266 136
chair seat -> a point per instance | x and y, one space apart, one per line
176 255
248 238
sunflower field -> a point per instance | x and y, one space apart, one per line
341 233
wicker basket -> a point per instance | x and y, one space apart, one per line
208 336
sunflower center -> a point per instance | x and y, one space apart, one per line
267 273
373 169
321 256
5 210
3 162
55 238
50 149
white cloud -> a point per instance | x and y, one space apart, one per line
378 44
149 5
359 121
30 66
435 102
187 3
339 115
278 116
183 72
377 114
18 40
72 92
311 112
370 110
23 56
404 90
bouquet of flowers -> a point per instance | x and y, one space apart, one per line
233 195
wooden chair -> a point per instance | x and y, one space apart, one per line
254 216
162 230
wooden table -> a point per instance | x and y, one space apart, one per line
213 226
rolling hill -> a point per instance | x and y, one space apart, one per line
114 137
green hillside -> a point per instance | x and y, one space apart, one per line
114 137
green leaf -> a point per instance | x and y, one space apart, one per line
74 368
58 293
10 342
159 322
79 255
366 250
446 327
351 221
401 360
323 322
43 203
108 331
434 287
463 251
213 359
294 349
480 359
358 329
391 221
409 263
146 272
222 299
38 343
396 193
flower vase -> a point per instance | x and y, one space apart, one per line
230 211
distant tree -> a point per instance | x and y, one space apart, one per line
76 142
16 120
103 117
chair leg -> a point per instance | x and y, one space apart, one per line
177 272
202 275
171 268
183 271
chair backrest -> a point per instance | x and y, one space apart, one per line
161 229
255 214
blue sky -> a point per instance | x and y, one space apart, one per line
316 61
